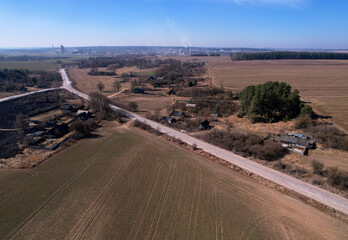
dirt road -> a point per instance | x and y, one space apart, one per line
332 200
26 94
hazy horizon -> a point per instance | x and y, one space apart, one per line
278 24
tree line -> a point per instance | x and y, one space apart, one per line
18 80
287 55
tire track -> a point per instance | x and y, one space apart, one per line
31 178
164 189
157 172
256 222
98 204
53 196
164 201
198 203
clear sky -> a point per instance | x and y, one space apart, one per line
206 23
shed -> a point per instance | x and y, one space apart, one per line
204 125
57 131
139 90
177 114
84 114
191 105
66 107
171 92
172 120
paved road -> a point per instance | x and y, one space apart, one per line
332 200
26 94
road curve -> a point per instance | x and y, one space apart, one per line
26 94
331 200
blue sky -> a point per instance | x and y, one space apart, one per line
206 23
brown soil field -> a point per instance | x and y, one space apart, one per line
127 184
87 83
323 83
151 103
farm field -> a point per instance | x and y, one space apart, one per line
323 83
87 83
31 65
127 184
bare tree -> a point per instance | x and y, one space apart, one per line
21 122
117 85
100 104
133 83
133 106
100 86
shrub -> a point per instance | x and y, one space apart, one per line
146 127
83 129
304 122
338 178
318 167
133 106
246 144
307 110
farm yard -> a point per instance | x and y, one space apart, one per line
126 184
322 83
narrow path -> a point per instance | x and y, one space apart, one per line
115 94
329 199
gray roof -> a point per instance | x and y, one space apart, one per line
294 140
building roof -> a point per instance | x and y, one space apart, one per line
177 113
295 140
193 105
65 106
204 124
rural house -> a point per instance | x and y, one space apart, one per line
139 90
191 105
204 125
177 114
66 107
172 120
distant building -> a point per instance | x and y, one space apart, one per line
139 90
62 49
57 131
171 92
66 107
191 105
83 114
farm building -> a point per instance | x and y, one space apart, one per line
171 92
172 120
191 105
139 90
177 114
204 125
66 107
57 131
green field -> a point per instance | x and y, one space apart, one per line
31 65
50 64
126 184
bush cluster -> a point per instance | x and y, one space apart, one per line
145 127
83 128
246 144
